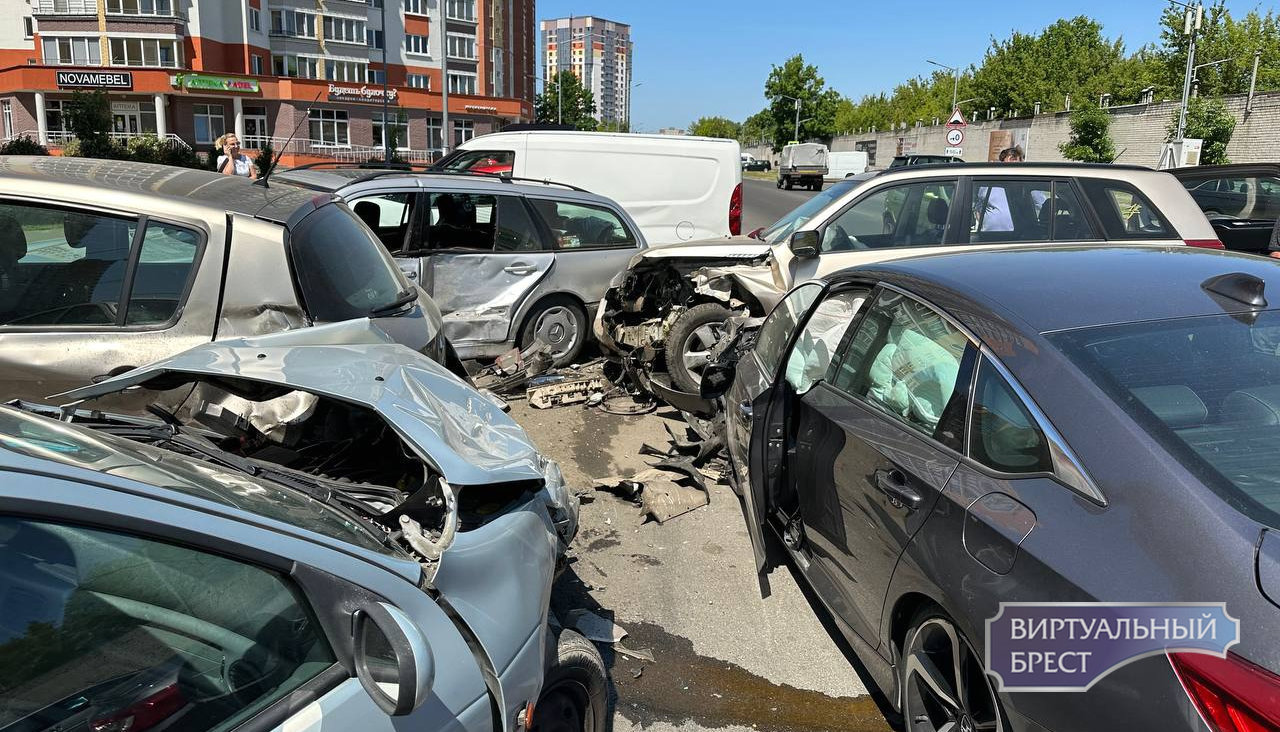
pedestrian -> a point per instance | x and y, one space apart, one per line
1012 155
233 161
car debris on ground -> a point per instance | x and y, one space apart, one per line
675 484
528 373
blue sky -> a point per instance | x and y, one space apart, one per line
711 57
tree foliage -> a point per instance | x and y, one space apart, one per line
1090 140
23 146
89 118
1208 120
1221 37
715 127
756 129
795 79
577 107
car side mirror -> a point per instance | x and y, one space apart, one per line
804 244
393 661
717 377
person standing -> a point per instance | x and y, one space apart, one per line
232 160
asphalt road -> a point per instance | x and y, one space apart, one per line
724 659
764 203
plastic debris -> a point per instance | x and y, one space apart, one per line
593 627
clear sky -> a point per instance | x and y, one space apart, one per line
711 57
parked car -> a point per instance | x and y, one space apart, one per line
902 161
803 164
507 262
927 438
1241 201
677 188
667 309
846 163
749 162
313 521
108 265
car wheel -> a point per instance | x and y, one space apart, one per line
817 186
688 345
779 182
942 680
561 323
788 184
575 691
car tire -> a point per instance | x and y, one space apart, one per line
933 641
689 343
562 323
817 186
779 181
788 184
575 690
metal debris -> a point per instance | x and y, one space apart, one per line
665 500
515 368
640 654
568 391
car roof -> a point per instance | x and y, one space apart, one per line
130 185
1212 171
346 180
1044 289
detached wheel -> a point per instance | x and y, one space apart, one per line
561 323
688 345
942 681
575 691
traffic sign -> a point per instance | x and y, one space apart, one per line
955 136
957 119
956 151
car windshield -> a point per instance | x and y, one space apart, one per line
1207 387
342 268
779 230
38 437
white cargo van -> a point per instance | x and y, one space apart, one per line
675 188
846 163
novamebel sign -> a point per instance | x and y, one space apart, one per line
360 94
95 80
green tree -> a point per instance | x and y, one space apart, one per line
1208 120
715 127
1221 38
623 126
89 117
818 104
755 129
1090 140
576 107
266 156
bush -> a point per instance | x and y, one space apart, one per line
265 157
148 149
1090 140
1208 120
23 146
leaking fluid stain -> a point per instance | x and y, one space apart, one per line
682 686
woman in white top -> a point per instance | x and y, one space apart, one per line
232 161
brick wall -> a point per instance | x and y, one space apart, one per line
1138 130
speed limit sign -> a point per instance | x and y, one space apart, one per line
955 137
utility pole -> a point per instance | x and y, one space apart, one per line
796 137
446 134
1192 19
1253 82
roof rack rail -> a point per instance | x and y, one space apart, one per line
399 167
505 178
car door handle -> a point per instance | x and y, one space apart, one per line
112 374
411 275
744 410
893 484
520 269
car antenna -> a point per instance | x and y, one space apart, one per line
1117 157
276 160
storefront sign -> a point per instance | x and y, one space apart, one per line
95 79
479 108
126 107
217 83
361 94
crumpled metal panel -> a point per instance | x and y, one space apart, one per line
450 425
258 295
272 417
480 293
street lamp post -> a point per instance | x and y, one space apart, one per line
955 80
796 136
1195 72
445 133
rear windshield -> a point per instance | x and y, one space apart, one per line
1207 387
343 270
480 161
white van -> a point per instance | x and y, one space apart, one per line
676 188
846 163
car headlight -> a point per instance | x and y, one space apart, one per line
562 505
618 279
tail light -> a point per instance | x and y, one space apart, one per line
735 211
1204 243
1232 694
144 714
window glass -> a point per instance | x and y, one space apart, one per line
904 358
109 631
461 221
579 226
388 214
165 265
343 271
1069 220
1124 212
1004 435
900 216
777 328
1009 210
814 348
1245 197
481 161
514 230
61 267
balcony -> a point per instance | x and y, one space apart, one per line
64 7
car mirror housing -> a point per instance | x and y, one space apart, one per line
804 244
717 377
393 661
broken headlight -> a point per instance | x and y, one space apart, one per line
561 504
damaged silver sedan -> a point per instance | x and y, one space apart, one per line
376 522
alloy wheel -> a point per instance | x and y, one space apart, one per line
944 686
557 326
697 349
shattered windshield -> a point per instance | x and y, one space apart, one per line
779 230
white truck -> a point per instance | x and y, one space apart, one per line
803 164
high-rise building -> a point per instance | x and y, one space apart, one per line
598 52
190 70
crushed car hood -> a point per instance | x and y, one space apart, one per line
743 247
453 427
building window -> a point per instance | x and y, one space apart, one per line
415 44
399 125
6 108
329 127
418 81
28 27
462 83
255 20
345 70
461 46
210 124
300 67
140 7
77 51
463 130
293 23
435 142
255 65
344 30
375 76
461 9
413 6
255 128
374 38
65 7
53 116
146 52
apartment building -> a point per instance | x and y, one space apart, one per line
314 70
598 52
